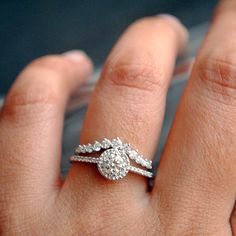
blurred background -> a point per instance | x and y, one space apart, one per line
30 29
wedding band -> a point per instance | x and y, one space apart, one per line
114 162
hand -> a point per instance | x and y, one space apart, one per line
195 188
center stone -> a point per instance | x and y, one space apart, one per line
113 164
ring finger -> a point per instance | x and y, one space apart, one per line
129 102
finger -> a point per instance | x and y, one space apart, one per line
195 186
31 123
129 102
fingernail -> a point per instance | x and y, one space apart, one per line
75 55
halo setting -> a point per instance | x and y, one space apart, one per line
113 164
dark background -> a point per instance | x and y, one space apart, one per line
30 29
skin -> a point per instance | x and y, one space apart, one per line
194 192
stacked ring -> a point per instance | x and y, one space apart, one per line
115 160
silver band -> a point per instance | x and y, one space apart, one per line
96 160
114 143
114 162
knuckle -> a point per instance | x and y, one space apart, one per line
218 75
26 103
223 8
140 76
38 91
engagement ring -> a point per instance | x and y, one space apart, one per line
115 158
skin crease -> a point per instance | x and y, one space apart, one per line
194 192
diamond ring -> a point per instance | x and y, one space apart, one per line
115 160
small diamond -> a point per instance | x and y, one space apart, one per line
116 142
89 148
149 164
126 147
83 148
139 159
77 150
106 143
132 154
97 146
80 149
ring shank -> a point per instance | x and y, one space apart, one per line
96 160
140 171
87 159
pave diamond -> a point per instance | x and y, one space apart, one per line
80 149
140 171
113 164
116 142
132 154
126 148
89 148
139 159
106 143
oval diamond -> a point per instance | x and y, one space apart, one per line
97 146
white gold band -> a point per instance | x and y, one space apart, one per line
96 160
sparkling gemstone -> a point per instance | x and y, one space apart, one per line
89 148
132 154
83 148
97 146
80 149
126 147
116 142
113 164
106 143
139 159
77 150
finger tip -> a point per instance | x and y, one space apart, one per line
180 28
80 57
75 55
